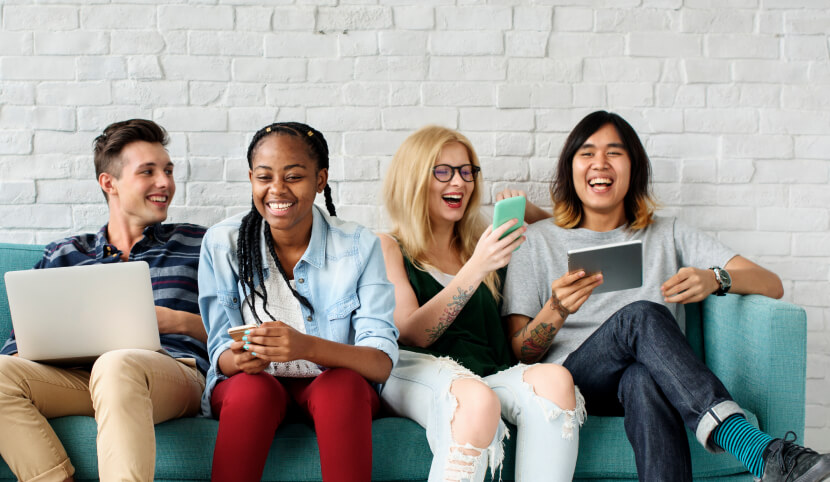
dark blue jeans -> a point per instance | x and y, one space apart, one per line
638 364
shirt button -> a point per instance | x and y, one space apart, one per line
308 318
235 300
300 280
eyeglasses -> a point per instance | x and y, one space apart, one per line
445 172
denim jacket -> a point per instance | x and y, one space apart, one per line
342 274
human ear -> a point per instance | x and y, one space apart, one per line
322 179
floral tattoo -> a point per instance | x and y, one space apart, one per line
450 312
556 305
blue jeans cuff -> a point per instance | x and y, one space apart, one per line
710 420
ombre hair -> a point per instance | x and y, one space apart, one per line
639 202
406 196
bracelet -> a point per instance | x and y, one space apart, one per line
556 305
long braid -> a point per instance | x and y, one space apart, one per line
248 249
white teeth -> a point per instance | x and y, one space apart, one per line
275 205
453 197
599 180
158 199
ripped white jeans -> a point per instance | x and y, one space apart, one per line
547 439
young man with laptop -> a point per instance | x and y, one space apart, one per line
126 390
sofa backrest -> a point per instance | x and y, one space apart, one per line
13 257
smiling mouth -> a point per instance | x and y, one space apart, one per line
278 207
453 200
600 184
158 199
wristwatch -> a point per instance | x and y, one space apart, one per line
724 280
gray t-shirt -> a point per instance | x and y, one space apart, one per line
668 245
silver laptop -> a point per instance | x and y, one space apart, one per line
72 315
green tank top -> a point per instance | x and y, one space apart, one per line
476 338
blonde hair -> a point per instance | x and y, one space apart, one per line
406 196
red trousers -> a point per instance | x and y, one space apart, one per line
340 402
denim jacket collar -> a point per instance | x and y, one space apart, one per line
315 253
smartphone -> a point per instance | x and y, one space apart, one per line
237 332
507 209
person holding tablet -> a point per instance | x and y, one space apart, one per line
456 375
316 291
626 349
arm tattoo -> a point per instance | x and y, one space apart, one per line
450 312
556 305
538 342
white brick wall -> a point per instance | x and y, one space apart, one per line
732 100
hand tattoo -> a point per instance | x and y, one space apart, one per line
450 312
556 305
538 342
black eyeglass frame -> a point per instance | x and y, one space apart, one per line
475 169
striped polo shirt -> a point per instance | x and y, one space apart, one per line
171 250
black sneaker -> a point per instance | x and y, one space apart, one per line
786 461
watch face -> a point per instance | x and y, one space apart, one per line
725 279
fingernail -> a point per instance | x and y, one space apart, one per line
581 273
245 337
247 332
253 353
246 347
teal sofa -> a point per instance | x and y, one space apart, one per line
756 345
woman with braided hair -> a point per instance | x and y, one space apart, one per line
315 289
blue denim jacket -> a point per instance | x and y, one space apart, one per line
341 273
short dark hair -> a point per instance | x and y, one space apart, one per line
639 202
108 146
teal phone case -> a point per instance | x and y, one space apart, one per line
507 209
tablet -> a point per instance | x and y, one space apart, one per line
621 264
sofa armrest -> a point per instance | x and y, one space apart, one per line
757 346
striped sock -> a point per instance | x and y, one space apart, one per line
738 437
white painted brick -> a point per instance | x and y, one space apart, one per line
812 147
302 95
730 121
795 122
459 69
35 216
353 18
817 415
665 170
752 243
474 18
697 146
66 143
414 17
357 169
631 94
15 142
514 95
16 43
660 44
811 244
723 95
720 20
526 44
791 171
504 168
760 95
225 43
366 93
179 67
805 97
268 70
581 45
250 119
534 18
757 146
253 19
74 93
368 216
298 44
718 4
771 22
237 169
818 4
205 168
698 170
457 93
735 170
466 43
15 236
37 68
810 196
144 67
796 268
17 192
390 68
328 119
402 43
356 44
635 20
483 142
40 17
371 144
542 169
514 144
621 70
150 93
548 70
806 22
769 71
706 70
71 43
718 218
175 42
749 195
16 93
484 119
101 68
118 17
192 119
207 93
803 293
68 192
293 18
589 95
559 120
793 219
53 118
136 42
217 144
673 95
695 194
204 216
244 94
742 46
185 17
806 48
412 118
573 19
359 193
213 193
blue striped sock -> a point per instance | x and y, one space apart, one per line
741 439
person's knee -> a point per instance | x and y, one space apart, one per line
553 382
637 388
11 374
475 401
251 392
345 387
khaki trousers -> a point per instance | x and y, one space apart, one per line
127 391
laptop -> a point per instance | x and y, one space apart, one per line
72 315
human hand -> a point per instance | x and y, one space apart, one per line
507 193
167 319
247 361
689 285
569 292
492 253
277 342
